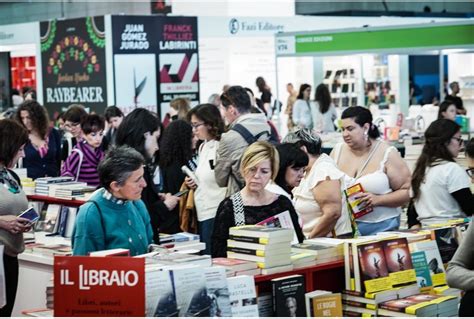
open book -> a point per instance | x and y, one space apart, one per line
282 220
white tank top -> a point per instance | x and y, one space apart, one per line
376 183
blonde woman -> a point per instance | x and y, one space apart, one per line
259 165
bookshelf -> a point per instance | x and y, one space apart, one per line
53 200
343 85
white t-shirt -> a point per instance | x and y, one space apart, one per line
436 204
323 122
305 204
277 189
208 194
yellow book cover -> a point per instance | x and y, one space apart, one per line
327 306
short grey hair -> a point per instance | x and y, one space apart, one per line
305 137
118 164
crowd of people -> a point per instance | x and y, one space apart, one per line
240 172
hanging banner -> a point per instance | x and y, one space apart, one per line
135 48
99 287
178 60
73 63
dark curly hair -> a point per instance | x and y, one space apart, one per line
437 136
38 116
176 144
361 115
211 116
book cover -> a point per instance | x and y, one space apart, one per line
71 219
50 220
243 297
63 217
218 292
307 300
289 296
256 246
399 263
265 304
357 207
259 253
327 305
373 266
190 291
281 220
447 241
160 297
433 258
423 277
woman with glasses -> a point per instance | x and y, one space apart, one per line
441 187
72 126
253 203
208 126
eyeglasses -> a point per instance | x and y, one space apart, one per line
196 125
459 139
470 171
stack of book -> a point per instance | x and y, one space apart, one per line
183 242
50 295
360 304
52 249
422 305
70 190
269 247
57 219
301 260
323 252
168 260
28 185
43 183
237 267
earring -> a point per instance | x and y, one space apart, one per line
366 135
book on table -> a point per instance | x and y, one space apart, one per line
160 296
373 268
191 292
243 296
289 296
218 292
399 262
260 234
281 220
423 277
433 257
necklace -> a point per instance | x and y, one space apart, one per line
8 182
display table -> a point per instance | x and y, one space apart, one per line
54 200
35 272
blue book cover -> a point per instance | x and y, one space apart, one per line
423 277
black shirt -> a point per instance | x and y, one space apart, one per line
456 100
253 214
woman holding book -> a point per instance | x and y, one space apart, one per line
441 187
13 139
253 203
43 151
318 199
208 126
115 216
376 166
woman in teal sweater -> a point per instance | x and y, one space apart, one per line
115 216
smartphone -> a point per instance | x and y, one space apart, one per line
31 214
181 193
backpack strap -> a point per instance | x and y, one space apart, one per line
247 135
238 204
100 215
81 158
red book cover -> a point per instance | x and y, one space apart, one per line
357 207
99 287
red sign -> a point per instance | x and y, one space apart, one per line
99 287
